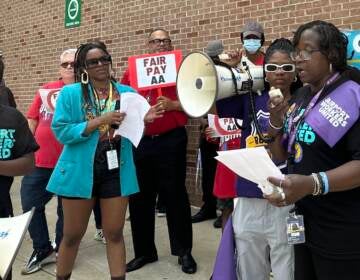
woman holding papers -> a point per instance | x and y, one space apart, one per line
259 227
94 163
318 132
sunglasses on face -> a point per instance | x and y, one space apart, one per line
284 67
166 42
67 64
94 62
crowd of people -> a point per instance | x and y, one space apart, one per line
311 132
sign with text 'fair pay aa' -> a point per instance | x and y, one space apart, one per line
151 71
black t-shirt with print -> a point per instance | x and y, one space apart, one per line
16 140
7 97
332 221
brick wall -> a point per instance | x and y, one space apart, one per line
32 34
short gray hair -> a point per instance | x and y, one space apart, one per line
68 51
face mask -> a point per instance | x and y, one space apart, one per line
252 45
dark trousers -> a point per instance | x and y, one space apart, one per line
6 209
312 266
161 168
208 153
34 194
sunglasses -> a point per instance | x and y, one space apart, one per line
284 67
67 64
166 42
94 62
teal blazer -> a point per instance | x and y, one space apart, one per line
73 173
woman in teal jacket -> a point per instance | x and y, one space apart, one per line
93 164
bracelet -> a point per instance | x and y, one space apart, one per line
322 187
274 126
325 181
317 187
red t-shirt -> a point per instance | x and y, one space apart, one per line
170 120
50 148
260 60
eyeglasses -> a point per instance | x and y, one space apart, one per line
302 54
166 42
67 64
284 67
94 62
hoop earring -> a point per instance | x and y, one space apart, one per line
84 77
266 80
295 79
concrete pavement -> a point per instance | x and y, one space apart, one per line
91 262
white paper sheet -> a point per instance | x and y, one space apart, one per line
12 233
132 127
253 164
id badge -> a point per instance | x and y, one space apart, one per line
295 229
112 159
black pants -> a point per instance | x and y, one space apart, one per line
161 168
208 153
312 266
6 209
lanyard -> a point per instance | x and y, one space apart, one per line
105 127
294 121
108 100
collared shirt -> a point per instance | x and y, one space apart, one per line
170 120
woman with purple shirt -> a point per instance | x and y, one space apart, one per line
259 227
319 136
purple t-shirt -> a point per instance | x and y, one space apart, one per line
238 106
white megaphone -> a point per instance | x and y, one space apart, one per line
12 233
200 82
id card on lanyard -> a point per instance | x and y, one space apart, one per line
111 155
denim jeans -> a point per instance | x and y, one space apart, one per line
34 194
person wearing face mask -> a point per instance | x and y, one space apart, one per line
252 38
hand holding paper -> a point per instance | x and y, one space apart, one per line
253 164
132 127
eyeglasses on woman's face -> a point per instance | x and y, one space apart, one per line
94 62
271 67
302 54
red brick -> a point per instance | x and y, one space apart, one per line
125 26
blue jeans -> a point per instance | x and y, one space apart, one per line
34 194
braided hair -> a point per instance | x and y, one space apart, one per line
285 46
80 65
332 42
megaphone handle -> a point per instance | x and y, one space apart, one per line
159 92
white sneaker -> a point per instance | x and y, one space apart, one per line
99 236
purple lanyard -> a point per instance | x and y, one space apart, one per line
294 121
